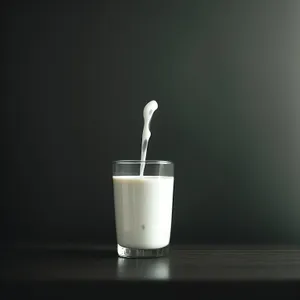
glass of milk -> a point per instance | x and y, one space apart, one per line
143 200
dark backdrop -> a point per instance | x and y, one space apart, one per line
226 76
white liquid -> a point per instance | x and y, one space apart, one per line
143 208
148 112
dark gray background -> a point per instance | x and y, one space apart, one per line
226 76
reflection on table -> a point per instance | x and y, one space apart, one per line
156 269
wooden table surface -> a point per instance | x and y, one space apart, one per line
206 269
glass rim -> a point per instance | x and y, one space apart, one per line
147 162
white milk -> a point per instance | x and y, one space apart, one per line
143 204
143 208
148 112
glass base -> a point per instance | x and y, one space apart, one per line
142 253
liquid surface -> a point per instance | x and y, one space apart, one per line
143 210
148 112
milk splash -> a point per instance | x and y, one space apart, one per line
149 110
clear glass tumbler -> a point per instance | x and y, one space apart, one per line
143 200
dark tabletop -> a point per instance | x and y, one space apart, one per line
204 268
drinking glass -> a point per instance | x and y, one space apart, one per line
143 202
